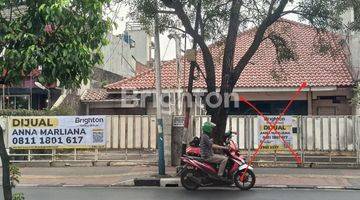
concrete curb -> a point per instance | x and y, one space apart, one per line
175 182
147 182
55 164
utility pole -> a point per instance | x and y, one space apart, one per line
191 56
179 71
159 120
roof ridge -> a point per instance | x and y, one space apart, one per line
280 20
129 78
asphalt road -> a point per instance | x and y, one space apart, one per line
77 193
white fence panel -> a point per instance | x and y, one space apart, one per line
145 132
138 132
241 137
122 131
318 132
153 137
115 132
342 133
255 135
108 131
326 128
334 134
309 137
131 132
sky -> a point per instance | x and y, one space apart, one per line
167 46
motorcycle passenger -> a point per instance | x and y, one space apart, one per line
207 146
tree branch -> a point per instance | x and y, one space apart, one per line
271 7
207 57
230 43
270 19
175 28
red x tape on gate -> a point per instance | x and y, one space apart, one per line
272 128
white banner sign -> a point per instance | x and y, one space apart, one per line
284 127
34 132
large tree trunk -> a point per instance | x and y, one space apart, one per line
219 118
5 168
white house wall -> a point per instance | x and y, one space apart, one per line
142 45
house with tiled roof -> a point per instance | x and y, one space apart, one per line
264 81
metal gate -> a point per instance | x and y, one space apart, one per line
318 139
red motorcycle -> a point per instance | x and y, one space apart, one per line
196 172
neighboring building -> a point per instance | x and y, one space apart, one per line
265 83
26 95
125 50
127 55
353 41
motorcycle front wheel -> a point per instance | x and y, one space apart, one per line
248 179
187 180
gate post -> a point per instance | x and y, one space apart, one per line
301 132
247 135
167 129
177 134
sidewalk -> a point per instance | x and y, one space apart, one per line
125 175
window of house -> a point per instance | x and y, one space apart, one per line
334 99
16 102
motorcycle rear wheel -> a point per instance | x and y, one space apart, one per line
186 182
241 184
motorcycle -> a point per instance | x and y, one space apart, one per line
197 173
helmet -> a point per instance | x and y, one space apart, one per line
208 127
228 134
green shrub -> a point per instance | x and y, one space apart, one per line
24 112
15 175
18 196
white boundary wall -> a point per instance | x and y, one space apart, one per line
314 133
319 133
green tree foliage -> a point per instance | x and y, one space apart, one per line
64 37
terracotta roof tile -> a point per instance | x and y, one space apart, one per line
317 70
140 68
95 95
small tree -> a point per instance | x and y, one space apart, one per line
222 19
63 37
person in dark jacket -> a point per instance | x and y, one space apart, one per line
207 146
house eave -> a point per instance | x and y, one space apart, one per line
238 89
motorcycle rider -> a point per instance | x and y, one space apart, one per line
207 146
